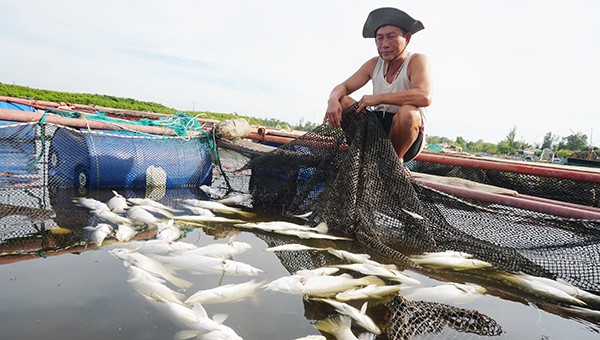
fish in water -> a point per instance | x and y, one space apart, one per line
281 226
208 328
368 292
221 250
167 231
198 210
339 326
360 316
125 233
320 285
292 247
450 293
132 257
312 337
384 272
90 203
162 246
152 203
565 287
99 232
540 288
205 219
317 271
450 260
236 199
140 216
112 217
200 264
209 191
225 293
149 285
216 206
117 203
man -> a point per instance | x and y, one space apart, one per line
401 82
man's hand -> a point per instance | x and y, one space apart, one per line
366 101
333 114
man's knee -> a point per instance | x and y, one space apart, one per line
408 117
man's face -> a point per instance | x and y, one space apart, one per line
390 41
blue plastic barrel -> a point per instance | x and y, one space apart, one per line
109 159
17 148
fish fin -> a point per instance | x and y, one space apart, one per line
199 310
363 308
366 336
220 318
185 334
334 324
322 228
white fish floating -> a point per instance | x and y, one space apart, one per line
320 286
339 326
449 293
368 292
207 328
281 226
216 206
112 217
200 264
162 247
140 216
117 203
90 203
99 233
384 272
565 287
152 203
221 250
312 235
317 271
359 316
225 293
209 191
125 233
205 219
540 288
450 260
312 337
132 257
236 199
304 216
167 231
198 210
150 286
292 247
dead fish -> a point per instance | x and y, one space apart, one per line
412 214
280 226
216 206
386 273
339 326
112 217
225 293
200 264
125 233
150 286
162 247
205 219
208 328
222 250
236 199
90 203
198 210
453 260
292 247
117 203
450 293
360 316
321 286
312 235
209 191
540 288
140 216
152 203
132 257
565 287
167 231
317 271
99 232
368 292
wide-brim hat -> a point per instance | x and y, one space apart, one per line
390 16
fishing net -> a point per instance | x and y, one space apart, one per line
43 166
351 179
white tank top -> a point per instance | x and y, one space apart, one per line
399 84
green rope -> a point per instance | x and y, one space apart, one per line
42 124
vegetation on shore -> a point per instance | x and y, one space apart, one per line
561 147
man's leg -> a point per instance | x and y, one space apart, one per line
405 129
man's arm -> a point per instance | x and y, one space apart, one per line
419 95
339 92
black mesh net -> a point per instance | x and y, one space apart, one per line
351 179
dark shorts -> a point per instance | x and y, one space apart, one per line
385 118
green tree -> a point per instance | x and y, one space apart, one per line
574 142
550 141
510 137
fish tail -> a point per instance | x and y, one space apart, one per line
334 324
179 282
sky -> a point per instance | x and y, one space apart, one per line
495 64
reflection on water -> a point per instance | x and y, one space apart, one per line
55 285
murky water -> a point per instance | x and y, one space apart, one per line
83 294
